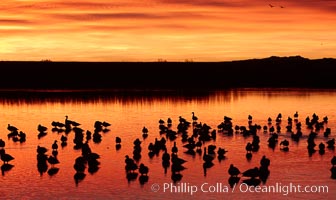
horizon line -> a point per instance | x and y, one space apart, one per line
188 60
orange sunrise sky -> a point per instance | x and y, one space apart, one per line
174 30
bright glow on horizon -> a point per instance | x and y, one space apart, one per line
172 30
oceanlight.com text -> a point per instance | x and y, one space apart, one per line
279 188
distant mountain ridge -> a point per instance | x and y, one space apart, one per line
287 72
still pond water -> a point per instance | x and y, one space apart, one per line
129 113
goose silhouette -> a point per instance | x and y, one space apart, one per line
137 142
53 160
80 164
194 118
41 150
2 143
206 157
41 128
333 172
177 168
143 170
327 132
70 122
64 138
118 140
284 142
253 173
5 157
22 136
106 124
165 156
174 148
12 128
331 143
333 161
279 116
265 128
176 160
57 124
233 171
131 166
296 115
265 162
75 124
221 152
144 132
182 120
54 146
98 125
249 147
88 135
325 119
284 145
321 146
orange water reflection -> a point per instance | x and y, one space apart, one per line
128 114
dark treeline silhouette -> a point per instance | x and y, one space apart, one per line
289 72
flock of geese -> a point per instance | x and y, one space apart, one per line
202 133
88 159
194 137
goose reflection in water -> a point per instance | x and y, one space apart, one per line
6 168
64 140
42 158
79 176
333 168
143 170
331 144
118 143
233 171
88 158
165 160
52 171
253 174
5 158
130 168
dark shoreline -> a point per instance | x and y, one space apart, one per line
273 72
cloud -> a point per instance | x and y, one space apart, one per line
90 4
326 5
14 22
23 8
211 3
100 16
